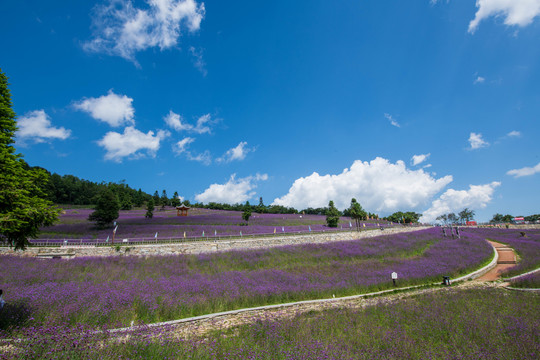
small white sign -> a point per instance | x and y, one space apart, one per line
394 275
125 240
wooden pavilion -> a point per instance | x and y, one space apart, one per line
182 210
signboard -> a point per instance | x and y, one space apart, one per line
394 275
519 219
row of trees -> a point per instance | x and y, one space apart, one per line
500 218
461 218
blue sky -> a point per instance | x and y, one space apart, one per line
427 106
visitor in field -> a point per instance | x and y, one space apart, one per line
2 302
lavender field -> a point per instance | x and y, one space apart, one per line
527 247
116 291
452 323
132 224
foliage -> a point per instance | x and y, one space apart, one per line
106 210
499 218
332 215
247 212
164 200
408 217
356 212
23 205
150 209
175 201
466 215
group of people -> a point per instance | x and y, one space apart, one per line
452 232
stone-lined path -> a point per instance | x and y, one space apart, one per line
507 259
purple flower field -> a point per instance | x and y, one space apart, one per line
115 291
446 324
132 224
528 248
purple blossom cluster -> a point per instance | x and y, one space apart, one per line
117 290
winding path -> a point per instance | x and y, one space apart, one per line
506 259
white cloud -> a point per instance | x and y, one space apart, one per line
232 192
176 122
514 133
121 29
115 110
237 153
181 147
392 120
36 125
378 185
131 143
477 197
418 159
515 12
526 171
198 60
479 80
476 141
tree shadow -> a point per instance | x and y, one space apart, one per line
15 314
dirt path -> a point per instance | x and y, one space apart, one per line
507 259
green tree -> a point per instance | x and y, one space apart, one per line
466 215
149 208
247 212
175 201
106 210
332 215
164 200
24 207
356 212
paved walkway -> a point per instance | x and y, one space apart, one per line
507 259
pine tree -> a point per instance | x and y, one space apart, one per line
106 210
247 212
149 209
23 205
332 215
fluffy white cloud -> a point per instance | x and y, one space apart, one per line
121 29
526 171
476 141
236 153
514 134
233 191
418 159
478 196
392 120
36 125
115 110
515 12
378 185
176 122
131 143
